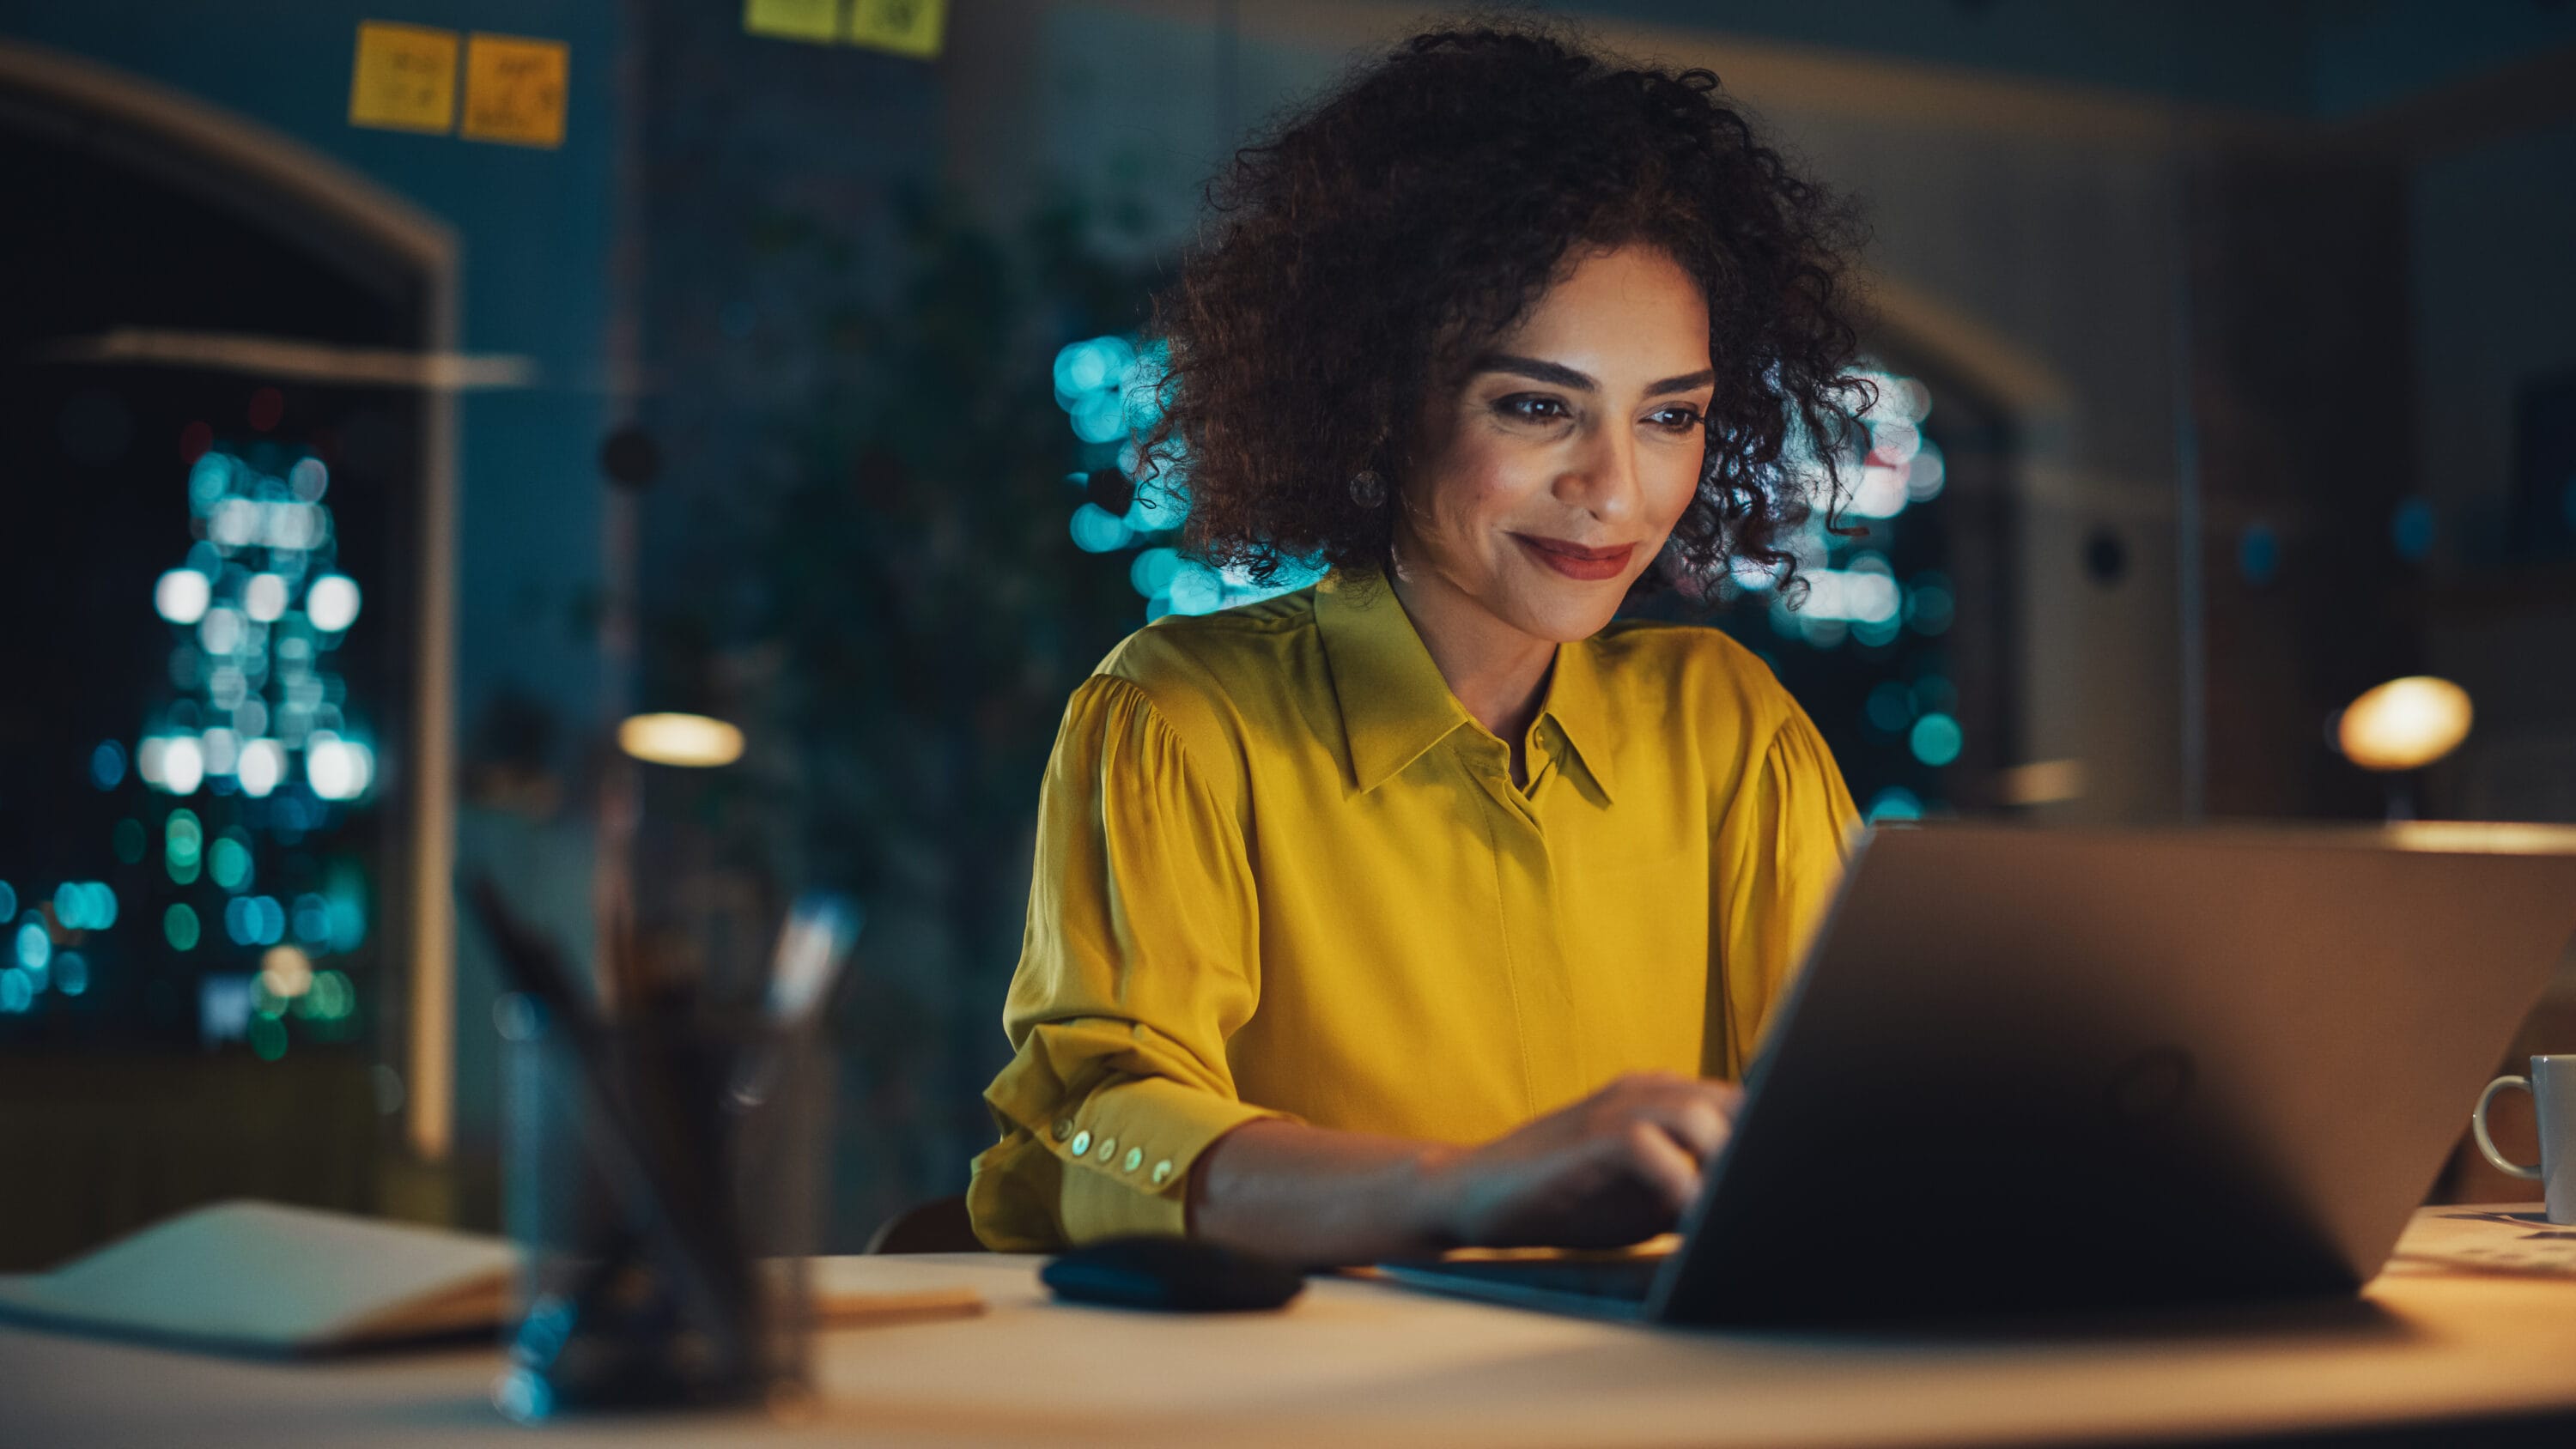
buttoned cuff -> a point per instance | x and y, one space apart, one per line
1127 1152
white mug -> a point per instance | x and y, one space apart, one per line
2552 1085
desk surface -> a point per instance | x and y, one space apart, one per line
2476 1316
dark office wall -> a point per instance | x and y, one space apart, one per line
2300 367
2492 225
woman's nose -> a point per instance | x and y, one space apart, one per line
1603 480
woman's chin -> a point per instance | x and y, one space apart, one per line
1563 611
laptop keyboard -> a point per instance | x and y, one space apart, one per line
1621 1279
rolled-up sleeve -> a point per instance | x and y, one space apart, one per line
1139 962
1780 853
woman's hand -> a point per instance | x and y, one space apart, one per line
1619 1166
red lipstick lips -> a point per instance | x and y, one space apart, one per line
1574 560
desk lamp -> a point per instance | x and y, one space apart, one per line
687 740
2402 726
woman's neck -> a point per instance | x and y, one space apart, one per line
1498 672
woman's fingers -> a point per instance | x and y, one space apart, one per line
1697 1115
1654 1156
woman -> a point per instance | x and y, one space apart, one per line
1426 906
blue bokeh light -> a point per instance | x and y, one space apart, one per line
107 765
2411 528
1895 803
1097 530
35 948
2258 553
1936 740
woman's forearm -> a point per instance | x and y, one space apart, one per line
1309 1195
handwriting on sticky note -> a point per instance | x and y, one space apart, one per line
404 78
514 89
906 27
816 20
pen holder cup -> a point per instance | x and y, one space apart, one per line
663 1183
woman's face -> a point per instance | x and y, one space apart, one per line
1551 478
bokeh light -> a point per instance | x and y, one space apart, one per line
1930 607
254 920
331 999
262 767
228 861
1097 530
85 905
2410 529
339 769
183 765
1894 803
2405 724
1936 740
181 596
264 598
331 602
311 919
286 972
180 928
1890 708
2258 553
690 741
267 1036
221 749
34 946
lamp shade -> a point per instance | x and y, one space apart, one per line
691 740
2405 724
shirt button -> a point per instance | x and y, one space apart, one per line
1108 1148
1063 1129
1081 1143
1162 1172
1135 1155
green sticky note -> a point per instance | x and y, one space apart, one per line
815 20
906 27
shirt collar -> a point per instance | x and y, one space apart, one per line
1578 702
1394 703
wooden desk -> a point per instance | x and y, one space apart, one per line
1354 1364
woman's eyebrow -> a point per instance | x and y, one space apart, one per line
1683 383
1539 370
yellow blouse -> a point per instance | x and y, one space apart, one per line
1281 871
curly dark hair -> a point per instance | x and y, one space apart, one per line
1364 251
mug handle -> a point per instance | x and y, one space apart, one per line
2478 1125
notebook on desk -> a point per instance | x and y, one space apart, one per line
2043 1069
258 1277
267 1279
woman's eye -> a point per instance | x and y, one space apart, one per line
1676 420
1531 408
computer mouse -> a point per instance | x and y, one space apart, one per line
1173 1275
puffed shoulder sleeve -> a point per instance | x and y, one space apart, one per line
1139 962
1780 854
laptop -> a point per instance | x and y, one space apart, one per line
2029 1069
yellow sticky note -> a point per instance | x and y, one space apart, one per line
514 89
906 27
818 20
404 78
